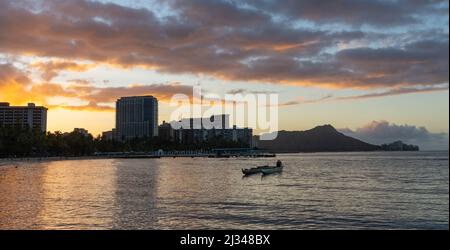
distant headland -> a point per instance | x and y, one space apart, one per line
325 139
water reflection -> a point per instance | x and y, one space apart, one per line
315 191
78 194
20 195
135 197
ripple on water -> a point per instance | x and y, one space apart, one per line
378 190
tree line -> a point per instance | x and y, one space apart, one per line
18 142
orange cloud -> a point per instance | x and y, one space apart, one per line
16 87
51 69
13 83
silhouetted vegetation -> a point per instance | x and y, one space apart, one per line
399 146
16 142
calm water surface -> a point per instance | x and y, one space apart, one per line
398 190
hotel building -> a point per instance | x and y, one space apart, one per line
30 116
195 132
136 117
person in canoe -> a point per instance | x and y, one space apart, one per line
279 164
272 170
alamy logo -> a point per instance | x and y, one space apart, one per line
256 111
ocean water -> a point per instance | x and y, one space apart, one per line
378 190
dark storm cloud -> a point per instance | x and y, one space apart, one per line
254 41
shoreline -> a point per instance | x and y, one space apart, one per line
102 157
52 158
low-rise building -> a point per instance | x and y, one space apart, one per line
109 135
196 131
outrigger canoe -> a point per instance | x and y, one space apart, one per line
257 170
262 169
271 170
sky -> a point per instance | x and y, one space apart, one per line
376 70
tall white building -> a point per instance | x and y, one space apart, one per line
136 117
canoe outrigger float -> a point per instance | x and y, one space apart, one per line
271 170
265 170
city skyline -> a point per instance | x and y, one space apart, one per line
235 123
362 74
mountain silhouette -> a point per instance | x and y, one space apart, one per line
319 139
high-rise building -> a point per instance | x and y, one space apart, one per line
30 116
136 116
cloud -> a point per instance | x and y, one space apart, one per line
255 41
163 92
218 13
87 107
394 91
17 88
51 69
246 91
378 13
389 92
379 132
424 62
13 82
302 100
9 75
